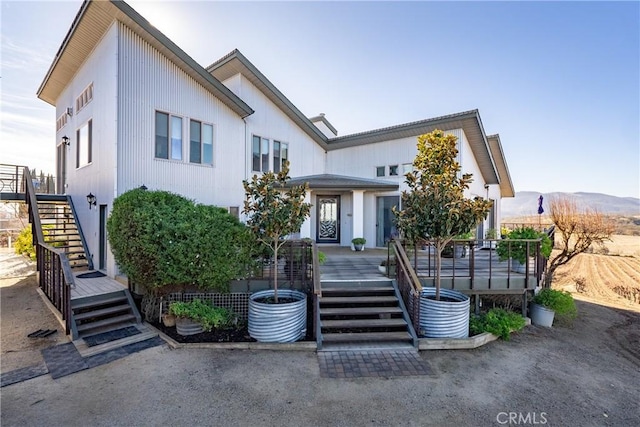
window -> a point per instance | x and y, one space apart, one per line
201 143
260 154
406 168
280 155
380 171
62 121
83 153
393 170
85 97
168 125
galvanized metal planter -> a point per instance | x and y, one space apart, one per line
541 316
444 319
278 322
186 326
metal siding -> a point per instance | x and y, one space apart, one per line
151 82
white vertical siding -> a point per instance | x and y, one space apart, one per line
98 176
149 82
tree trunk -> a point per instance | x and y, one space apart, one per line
275 271
438 267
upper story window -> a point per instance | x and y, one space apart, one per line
168 125
85 97
260 154
200 143
406 168
84 140
393 170
380 170
280 155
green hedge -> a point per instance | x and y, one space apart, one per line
160 238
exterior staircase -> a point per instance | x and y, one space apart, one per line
363 315
100 313
62 230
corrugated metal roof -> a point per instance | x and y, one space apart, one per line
506 185
340 182
90 25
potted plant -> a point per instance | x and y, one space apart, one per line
504 232
385 267
435 206
517 250
198 316
491 235
358 243
551 302
276 210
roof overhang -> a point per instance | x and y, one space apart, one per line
468 121
236 63
506 186
91 23
340 182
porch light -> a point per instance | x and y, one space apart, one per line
65 140
143 187
91 199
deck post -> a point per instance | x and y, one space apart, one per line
524 303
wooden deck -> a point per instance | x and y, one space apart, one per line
94 286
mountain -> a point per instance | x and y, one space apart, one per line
525 203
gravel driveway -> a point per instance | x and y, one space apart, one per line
586 375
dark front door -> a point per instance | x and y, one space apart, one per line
328 214
103 238
384 219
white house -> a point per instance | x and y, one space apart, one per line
137 110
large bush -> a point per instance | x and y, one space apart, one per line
24 243
159 238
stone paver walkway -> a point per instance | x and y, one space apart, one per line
382 363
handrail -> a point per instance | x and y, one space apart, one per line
317 285
79 228
404 260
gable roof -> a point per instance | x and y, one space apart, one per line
90 24
235 62
468 121
506 186
323 119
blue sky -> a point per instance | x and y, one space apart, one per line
558 81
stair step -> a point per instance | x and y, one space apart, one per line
106 322
364 323
358 300
81 304
345 311
86 351
358 290
366 336
102 312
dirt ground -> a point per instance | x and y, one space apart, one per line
21 312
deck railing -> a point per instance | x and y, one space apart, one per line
408 282
11 179
55 277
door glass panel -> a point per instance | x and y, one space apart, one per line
384 219
328 218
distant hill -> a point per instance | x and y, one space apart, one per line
526 203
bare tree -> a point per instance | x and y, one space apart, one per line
578 228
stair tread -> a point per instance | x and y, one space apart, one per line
366 336
105 322
102 312
80 304
363 323
86 351
359 289
358 299
359 310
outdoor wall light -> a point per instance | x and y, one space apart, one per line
91 199
65 140
143 187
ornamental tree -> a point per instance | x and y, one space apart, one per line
435 206
275 211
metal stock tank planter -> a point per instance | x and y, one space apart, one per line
447 318
281 323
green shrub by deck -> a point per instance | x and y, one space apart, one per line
561 302
160 238
518 250
497 321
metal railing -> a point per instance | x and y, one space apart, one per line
55 277
408 282
12 181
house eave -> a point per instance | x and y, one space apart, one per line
506 185
89 26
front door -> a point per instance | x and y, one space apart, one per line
384 219
328 214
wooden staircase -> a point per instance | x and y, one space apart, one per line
363 315
61 229
104 312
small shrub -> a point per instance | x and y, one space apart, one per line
498 322
559 301
359 241
518 250
206 314
24 243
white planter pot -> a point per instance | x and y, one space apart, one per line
444 319
518 267
541 316
382 269
278 322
